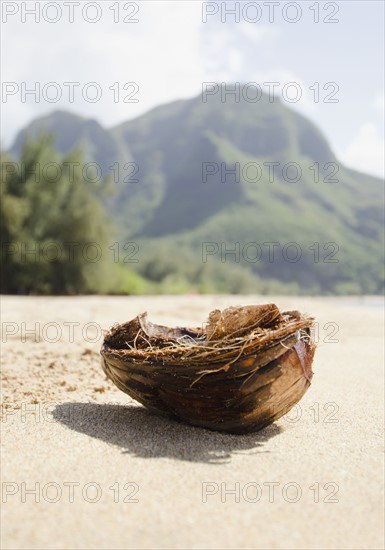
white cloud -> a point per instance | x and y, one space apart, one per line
366 151
235 60
260 34
378 103
162 54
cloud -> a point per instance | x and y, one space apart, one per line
366 151
378 103
261 34
162 54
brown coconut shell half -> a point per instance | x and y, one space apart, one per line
242 371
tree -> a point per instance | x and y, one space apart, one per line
54 228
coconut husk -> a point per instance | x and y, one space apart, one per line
244 369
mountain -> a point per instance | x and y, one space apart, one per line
98 144
326 220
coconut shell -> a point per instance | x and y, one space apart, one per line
248 367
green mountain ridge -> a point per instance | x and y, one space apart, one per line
173 210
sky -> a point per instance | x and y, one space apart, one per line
332 51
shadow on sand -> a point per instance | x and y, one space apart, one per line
141 433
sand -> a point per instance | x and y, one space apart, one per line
84 466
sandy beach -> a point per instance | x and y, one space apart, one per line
85 467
